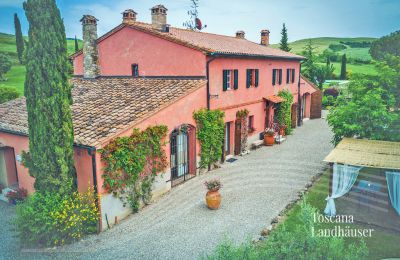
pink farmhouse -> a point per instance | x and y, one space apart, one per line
139 75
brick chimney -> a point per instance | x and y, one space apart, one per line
159 17
91 67
129 16
265 37
240 34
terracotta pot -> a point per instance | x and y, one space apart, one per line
269 140
213 199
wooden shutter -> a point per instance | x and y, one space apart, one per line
280 76
273 77
293 74
256 73
235 79
224 80
288 72
248 78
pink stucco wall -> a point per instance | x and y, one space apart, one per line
21 143
178 113
155 56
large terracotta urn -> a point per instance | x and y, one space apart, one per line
269 140
213 199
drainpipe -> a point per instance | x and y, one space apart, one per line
208 80
92 152
299 119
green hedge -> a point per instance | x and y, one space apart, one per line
7 94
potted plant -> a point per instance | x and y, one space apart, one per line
213 197
269 137
17 195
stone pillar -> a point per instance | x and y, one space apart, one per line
265 37
91 68
159 17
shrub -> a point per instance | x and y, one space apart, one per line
284 112
328 101
5 65
331 92
7 94
297 243
50 219
337 47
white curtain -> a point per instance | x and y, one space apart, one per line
393 183
343 179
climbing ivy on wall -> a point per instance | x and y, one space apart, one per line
132 163
284 112
243 116
210 132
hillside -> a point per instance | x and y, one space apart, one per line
16 76
323 43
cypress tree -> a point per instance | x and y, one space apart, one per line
343 68
76 45
284 45
48 100
19 39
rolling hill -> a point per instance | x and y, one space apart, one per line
16 76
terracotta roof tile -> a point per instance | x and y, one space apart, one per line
275 99
207 42
104 107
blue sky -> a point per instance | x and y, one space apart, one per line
304 19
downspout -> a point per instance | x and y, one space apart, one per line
92 151
299 119
208 80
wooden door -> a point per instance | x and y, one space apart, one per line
294 115
238 137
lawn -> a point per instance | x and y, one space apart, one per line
16 76
367 69
381 245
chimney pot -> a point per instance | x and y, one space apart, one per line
265 37
91 67
129 16
159 17
240 34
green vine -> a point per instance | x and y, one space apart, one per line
132 163
284 112
210 132
243 117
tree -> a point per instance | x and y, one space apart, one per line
371 107
194 23
389 44
5 65
48 100
19 39
343 71
284 45
309 67
76 45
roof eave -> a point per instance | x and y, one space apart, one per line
244 55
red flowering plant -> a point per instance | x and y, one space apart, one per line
213 184
19 194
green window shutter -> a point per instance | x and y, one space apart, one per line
293 74
273 77
248 78
288 72
280 76
224 80
256 79
236 79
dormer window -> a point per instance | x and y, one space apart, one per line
135 70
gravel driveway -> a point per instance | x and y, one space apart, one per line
179 226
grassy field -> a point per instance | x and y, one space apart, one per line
381 245
368 69
16 76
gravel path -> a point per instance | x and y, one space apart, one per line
179 226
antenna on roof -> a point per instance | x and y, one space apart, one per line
194 23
